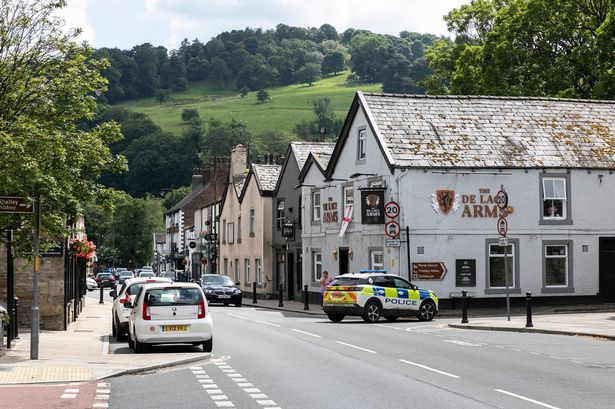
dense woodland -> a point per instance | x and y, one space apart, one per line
254 59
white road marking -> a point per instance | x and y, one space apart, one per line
210 386
356 347
269 323
227 404
516 350
463 343
237 316
239 379
266 402
101 405
258 396
229 370
71 390
219 397
201 372
535 353
213 391
430 369
196 368
306 333
546 405
252 390
103 391
68 396
102 385
388 326
245 385
206 380
105 346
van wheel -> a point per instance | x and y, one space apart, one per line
372 312
335 317
120 336
139 346
208 345
113 328
427 311
131 343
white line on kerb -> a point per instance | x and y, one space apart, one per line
237 316
526 399
430 369
306 333
269 323
356 347
105 346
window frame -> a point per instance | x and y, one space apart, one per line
237 271
372 252
316 192
515 287
251 225
258 270
280 214
230 232
362 145
246 271
223 231
567 205
569 286
316 265
239 229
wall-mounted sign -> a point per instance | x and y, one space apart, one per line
445 201
288 231
372 206
329 212
465 273
481 205
392 229
392 243
56 251
391 210
428 271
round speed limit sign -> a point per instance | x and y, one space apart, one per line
501 199
391 210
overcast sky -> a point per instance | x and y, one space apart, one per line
126 23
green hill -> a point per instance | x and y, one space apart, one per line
288 105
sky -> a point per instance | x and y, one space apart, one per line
126 23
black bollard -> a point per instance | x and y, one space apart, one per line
281 289
254 292
306 305
16 325
528 304
464 307
101 296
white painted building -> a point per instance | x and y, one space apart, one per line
443 160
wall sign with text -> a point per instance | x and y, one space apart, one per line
372 206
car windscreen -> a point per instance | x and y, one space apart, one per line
146 274
348 281
104 275
125 273
159 297
218 280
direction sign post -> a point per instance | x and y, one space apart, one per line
502 202
15 205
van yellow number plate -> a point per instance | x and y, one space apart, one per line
175 328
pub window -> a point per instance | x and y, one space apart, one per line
280 214
316 206
497 277
246 271
376 258
257 269
251 227
348 195
556 265
554 198
361 149
317 265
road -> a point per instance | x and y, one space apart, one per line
272 359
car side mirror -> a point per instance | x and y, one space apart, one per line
112 293
128 304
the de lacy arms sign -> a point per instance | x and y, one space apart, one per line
475 205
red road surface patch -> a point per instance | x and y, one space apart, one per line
47 396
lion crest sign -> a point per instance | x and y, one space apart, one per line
445 201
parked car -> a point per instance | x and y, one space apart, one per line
91 284
375 294
127 293
146 273
125 275
221 289
168 274
117 271
174 313
105 280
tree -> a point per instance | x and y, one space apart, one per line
333 63
189 114
244 91
224 136
309 73
162 95
47 84
369 54
535 47
262 96
174 196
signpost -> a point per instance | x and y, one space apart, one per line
502 226
428 271
392 229
391 210
15 205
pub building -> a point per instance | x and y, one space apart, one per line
452 192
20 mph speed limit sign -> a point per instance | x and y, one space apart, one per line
502 226
391 210
501 199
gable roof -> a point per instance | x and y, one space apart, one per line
491 132
302 149
266 176
320 161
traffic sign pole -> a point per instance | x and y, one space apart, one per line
35 290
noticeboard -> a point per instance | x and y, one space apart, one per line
465 273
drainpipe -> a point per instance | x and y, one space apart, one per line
402 219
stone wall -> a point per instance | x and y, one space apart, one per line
51 286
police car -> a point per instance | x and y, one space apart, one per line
375 294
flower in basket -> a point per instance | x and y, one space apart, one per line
82 248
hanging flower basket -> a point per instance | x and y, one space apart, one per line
82 248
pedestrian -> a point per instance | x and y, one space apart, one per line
325 280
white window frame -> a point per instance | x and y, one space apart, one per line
374 265
511 260
316 207
251 227
230 233
348 195
258 270
557 256
280 214
237 270
316 264
557 195
246 271
362 144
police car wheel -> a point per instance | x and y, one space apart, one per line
427 311
335 317
371 312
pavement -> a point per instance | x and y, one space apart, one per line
83 352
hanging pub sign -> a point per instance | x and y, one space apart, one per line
372 206
288 231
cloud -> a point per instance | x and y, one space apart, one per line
75 15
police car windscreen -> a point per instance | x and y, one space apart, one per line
347 281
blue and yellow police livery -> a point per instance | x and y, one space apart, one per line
375 294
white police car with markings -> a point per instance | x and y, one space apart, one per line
374 294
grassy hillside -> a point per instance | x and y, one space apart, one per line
287 106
